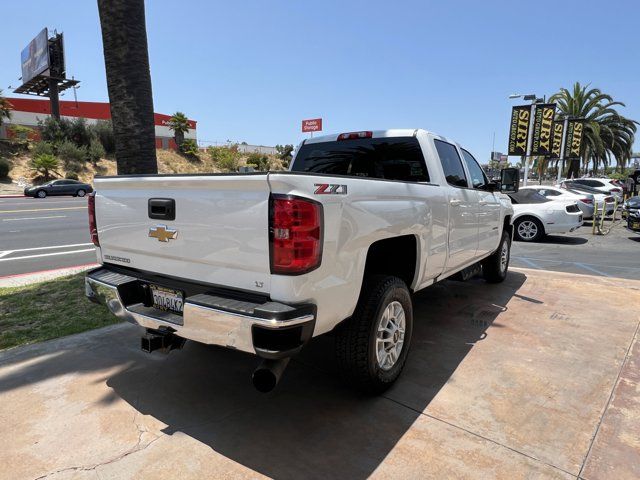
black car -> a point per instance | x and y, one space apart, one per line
59 187
632 213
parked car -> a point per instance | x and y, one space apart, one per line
585 201
535 216
263 262
59 187
602 200
604 185
632 214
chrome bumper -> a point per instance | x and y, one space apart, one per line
198 322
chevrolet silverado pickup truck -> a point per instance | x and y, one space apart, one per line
263 262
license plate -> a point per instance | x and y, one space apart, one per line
635 225
166 299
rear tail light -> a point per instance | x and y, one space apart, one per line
93 226
586 200
295 234
354 135
572 208
608 199
615 190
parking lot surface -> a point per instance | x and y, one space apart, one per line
533 378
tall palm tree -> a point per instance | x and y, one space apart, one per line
179 123
124 38
5 109
606 132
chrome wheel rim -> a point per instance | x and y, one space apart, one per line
527 229
390 335
504 256
81 193
41 194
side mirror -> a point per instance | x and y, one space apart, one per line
509 180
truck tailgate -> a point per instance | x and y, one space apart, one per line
221 224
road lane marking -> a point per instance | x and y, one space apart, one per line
32 218
5 253
528 262
587 267
43 209
51 247
26 257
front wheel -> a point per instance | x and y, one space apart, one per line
494 267
81 193
41 194
372 346
528 229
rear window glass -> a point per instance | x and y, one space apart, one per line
392 158
528 196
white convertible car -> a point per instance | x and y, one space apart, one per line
536 216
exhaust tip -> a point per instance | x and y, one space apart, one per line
264 380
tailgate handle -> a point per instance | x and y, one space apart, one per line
162 208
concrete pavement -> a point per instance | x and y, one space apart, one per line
533 378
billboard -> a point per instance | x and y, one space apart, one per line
312 125
35 56
542 129
519 131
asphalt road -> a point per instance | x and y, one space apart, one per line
43 234
50 233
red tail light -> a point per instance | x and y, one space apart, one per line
615 190
295 234
354 135
93 226
608 199
586 200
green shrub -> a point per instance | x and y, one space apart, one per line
39 148
226 158
95 151
55 131
189 147
20 135
45 164
70 152
72 175
5 166
103 132
79 132
259 161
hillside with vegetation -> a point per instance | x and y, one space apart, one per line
77 150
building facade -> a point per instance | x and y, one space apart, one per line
30 112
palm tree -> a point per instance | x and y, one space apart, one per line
179 123
124 38
606 132
44 164
5 109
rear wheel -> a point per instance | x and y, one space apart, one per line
372 346
41 194
81 193
494 267
528 229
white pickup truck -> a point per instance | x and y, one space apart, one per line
263 262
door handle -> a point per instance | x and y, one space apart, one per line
483 202
455 202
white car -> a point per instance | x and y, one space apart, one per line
602 200
604 185
263 262
535 216
585 201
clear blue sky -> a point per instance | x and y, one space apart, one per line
252 70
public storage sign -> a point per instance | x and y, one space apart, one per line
313 125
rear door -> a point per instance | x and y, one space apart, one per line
463 207
488 206
219 233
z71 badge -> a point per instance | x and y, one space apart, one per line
329 189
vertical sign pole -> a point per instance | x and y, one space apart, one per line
562 147
529 144
53 98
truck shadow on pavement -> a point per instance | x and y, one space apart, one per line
312 425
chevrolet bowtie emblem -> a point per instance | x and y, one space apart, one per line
163 233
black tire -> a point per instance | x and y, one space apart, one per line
494 269
356 338
81 193
531 222
41 194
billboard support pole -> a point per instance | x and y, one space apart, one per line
529 144
53 98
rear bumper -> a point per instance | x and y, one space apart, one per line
268 329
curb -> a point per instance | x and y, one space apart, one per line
22 279
13 196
